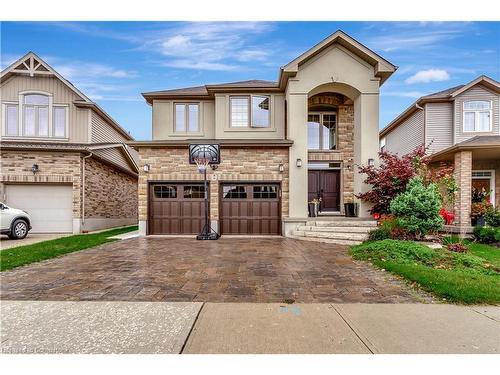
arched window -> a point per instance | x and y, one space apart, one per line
36 115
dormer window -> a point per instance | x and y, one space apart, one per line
35 116
477 116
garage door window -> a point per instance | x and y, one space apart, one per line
165 191
234 192
265 192
194 191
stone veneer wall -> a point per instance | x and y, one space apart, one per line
344 152
55 167
109 192
490 165
246 164
463 178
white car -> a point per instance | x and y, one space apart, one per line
13 222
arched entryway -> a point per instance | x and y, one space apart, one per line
330 127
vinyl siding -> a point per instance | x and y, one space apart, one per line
78 118
103 132
477 92
438 126
407 136
115 156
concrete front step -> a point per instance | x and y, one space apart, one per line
332 235
326 240
337 229
342 223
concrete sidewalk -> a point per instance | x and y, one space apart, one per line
175 327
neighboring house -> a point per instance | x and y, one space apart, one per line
63 159
282 144
461 126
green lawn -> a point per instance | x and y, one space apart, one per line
469 278
19 256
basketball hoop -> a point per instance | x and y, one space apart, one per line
201 163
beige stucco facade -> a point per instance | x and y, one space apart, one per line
339 74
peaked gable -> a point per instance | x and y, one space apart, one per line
32 65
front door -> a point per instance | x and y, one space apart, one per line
325 184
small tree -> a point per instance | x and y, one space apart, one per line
417 209
391 177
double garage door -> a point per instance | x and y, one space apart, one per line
178 208
50 206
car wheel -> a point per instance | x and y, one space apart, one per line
19 230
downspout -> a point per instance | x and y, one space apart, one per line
83 187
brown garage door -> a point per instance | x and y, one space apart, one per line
250 209
176 208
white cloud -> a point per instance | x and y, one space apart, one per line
430 75
211 46
408 36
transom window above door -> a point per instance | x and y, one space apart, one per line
35 116
322 131
187 117
249 111
477 116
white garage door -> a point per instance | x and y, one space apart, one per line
49 206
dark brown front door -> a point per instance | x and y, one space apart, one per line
250 208
176 208
325 185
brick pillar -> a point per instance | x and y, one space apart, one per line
463 177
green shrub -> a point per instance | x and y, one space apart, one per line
486 234
417 209
378 234
492 217
396 251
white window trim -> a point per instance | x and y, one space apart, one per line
20 119
4 118
321 149
492 182
476 117
53 124
249 126
186 119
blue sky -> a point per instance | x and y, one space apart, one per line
113 62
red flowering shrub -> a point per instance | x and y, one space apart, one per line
394 172
390 178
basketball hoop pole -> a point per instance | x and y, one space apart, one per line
202 156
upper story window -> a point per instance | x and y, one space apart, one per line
250 111
322 131
35 116
187 117
382 144
477 116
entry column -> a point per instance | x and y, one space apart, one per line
463 177
297 132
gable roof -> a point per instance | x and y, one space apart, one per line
440 96
383 69
206 91
32 65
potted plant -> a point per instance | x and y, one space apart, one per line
314 207
479 206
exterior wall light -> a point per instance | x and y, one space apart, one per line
35 168
371 162
147 168
281 167
298 163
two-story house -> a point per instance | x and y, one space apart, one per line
282 144
460 125
63 159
